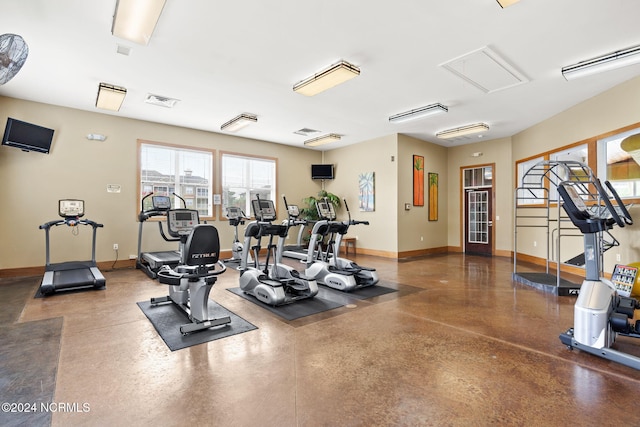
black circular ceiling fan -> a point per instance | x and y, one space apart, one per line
13 54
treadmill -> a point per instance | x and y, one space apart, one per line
72 274
152 262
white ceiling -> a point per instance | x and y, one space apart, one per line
223 58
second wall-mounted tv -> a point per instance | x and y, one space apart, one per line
321 171
27 136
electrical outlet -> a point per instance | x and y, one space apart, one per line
535 243
115 246
617 257
132 256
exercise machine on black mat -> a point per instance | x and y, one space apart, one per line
600 314
190 282
324 264
151 262
236 217
72 274
274 284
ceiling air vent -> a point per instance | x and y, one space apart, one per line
306 131
161 101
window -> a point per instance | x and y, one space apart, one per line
619 166
243 177
166 169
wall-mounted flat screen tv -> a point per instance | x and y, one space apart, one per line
27 136
321 171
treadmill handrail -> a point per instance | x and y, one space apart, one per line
58 222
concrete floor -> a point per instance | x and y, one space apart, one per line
460 344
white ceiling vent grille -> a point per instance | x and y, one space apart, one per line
306 131
161 101
486 70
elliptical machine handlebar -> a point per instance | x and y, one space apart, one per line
625 212
605 198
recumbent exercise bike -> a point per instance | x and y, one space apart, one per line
190 282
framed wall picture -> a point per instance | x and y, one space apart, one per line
433 196
418 180
367 191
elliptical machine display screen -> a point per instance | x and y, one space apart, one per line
264 210
325 210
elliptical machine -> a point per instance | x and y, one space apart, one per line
236 217
317 263
274 284
191 281
600 314
326 266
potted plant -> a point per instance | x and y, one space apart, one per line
310 212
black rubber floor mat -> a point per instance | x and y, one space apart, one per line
167 318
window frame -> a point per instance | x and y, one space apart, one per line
177 147
220 188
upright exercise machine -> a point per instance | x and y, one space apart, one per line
323 263
191 281
236 217
600 314
151 262
71 274
274 284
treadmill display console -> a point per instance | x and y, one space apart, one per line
264 210
71 208
161 203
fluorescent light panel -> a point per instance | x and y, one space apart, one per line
463 130
239 122
110 97
507 3
135 20
325 139
429 110
610 61
331 76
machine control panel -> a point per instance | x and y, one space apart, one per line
161 203
325 210
234 212
181 221
71 208
264 210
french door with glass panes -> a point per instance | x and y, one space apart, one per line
478 212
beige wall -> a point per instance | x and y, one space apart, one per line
370 156
415 231
498 153
607 112
77 168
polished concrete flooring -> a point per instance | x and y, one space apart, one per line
459 344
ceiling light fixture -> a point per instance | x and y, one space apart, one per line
239 122
325 139
610 61
135 20
463 131
507 3
331 76
429 110
110 97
